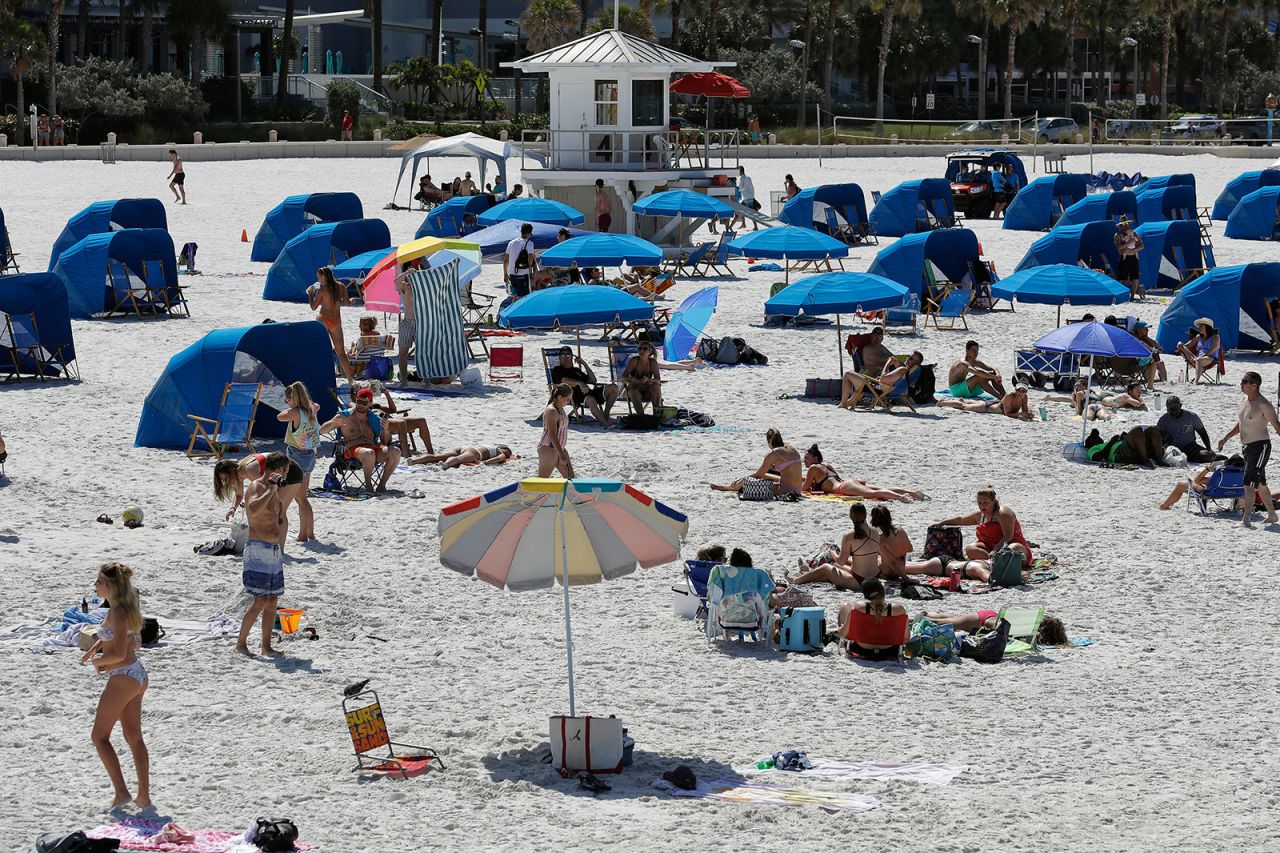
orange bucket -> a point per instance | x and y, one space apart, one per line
288 620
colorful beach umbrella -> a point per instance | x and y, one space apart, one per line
541 531
1098 340
836 293
574 306
688 321
1060 284
532 209
789 243
379 283
602 250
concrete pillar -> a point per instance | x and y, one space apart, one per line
4 140
377 135
893 139
1004 139
503 136
111 138
315 50
197 138
272 136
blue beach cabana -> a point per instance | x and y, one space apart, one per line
1039 204
913 206
5 248
1233 297
1172 202
950 249
321 245
1092 243
103 216
295 214
1100 206
275 354
808 208
1159 182
1257 216
84 271
1239 187
34 305
450 219
1170 248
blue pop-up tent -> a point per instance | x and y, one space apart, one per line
323 245
1256 216
1092 242
4 242
1234 298
295 214
1100 206
1239 187
950 249
1169 248
847 200
1039 204
1159 182
448 219
103 216
494 239
912 206
38 297
1177 201
83 267
275 354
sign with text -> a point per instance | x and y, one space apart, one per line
368 729
928 101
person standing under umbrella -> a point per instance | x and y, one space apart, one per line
552 452
520 263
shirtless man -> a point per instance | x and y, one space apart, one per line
969 377
468 185
177 177
1011 405
263 572
604 208
1256 415
367 438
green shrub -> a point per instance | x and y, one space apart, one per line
343 95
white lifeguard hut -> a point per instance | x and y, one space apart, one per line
610 119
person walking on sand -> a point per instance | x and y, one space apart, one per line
115 654
326 298
604 208
177 178
1256 415
552 453
263 573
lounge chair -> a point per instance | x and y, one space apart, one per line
954 306
744 587
717 261
655 286
127 295
158 291
1224 487
680 264
1024 626
233 427
866 629
20 336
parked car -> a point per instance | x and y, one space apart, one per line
1196 127
1056 129
978 130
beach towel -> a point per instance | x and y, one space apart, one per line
135 833
441 338
317 492
765 267
946 392
750 793
838 499
881 771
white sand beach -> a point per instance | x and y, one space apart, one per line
1160 735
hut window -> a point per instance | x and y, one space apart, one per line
606 103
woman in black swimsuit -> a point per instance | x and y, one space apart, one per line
823 478
859 558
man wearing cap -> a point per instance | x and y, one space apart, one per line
579 376
1180 428
1154 369
1256 415
367 439
468 186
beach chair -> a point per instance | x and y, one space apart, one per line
722 622
954 306
233 427
125 295
1024 626
1224 487
373 361
904 318
1209 377
1273 325
506 361
680 264
368 728
550 357
342 470
874 396
173 299
8 258
924 217
476 308
20 336
843 232
696 574
717 261
866 629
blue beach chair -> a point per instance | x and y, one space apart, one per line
954 306
234 425
1225 487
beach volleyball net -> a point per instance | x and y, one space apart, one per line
857 130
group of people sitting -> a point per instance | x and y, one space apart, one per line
1146 445
428 193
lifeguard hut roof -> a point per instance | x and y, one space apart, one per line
613 49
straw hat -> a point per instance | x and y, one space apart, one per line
1203 321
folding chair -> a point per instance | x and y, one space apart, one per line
619 355
234 425
924 217
1224 488
475 311
550 357
159 293
7 256
863 233
126 296
844 233
903 318
372 361
873 395
656 286
695 576
368 729
1024 626
717 261
746 585
875 197
343 469
681 263
20 336
954 306
869 630
507 357
1273 325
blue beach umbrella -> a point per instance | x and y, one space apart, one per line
1099 340
688 321
602 250
532 209
574 306
836 293
1060 284
682 203
789 243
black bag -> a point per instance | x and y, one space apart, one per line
924 385
63 842
275 833
726 351
647 422
151 631
919 591
707 348
986 646
747 354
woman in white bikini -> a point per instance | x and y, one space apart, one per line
301 441
781 465
553 455
115 654
822 478
859 558
493 454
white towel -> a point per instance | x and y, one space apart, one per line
883 771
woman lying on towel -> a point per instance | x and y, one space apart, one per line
857 384
823 478
493 454
858 561
781 465
1052 632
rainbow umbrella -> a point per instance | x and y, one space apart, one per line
379 286
534 533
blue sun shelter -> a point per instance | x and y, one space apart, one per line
1257 216
950 250
1090 245
33 308
5 248
275 354
1172 202
1169 249
455 217
1233 297
1239 187
323 245
84 269
1100 206
103 216
914 206
1040 204
808 209
1159 182
295 214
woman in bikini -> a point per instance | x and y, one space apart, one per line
552 453
229 477
781 465
892 374
895 545
301 441
326 298
115 654
874 605
1052 632
822 478
493 454
859 558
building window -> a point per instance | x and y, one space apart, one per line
646 103
606 103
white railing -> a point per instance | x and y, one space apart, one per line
632 150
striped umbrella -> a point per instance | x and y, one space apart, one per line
441 342
534 533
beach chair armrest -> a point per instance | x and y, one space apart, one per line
203 420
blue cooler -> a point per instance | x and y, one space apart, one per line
800 629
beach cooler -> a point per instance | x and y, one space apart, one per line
593 744
801 629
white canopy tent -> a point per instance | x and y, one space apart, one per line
482 148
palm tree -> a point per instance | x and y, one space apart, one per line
23 44
53 24
548 23
828 46
889 9
82 27
1166 35
375 12
631 20
979 11
1017 15
1068 18
148 35
286 54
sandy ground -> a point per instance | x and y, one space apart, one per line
1160 734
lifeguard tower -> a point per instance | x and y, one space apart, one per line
610 119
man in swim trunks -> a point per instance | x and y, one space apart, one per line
1256 415
263 573
968 378
367 439
604 208
177 177
599 399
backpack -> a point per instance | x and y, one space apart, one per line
739 610
922 389
726 352
274 833
986 645
748 355
1006 568
707 348
62 842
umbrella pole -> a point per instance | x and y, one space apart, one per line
1084 409
839 348
578 331
568 630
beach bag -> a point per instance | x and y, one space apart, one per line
828 552
273 833
928 639
88 636
332 483
793 596
726 352
707 348
593 744
379 367
801 629
986 645
640 421
823 389
151 631
73 842
697 419
943 541
924 385
919 591
748 354
756 489
1006 568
